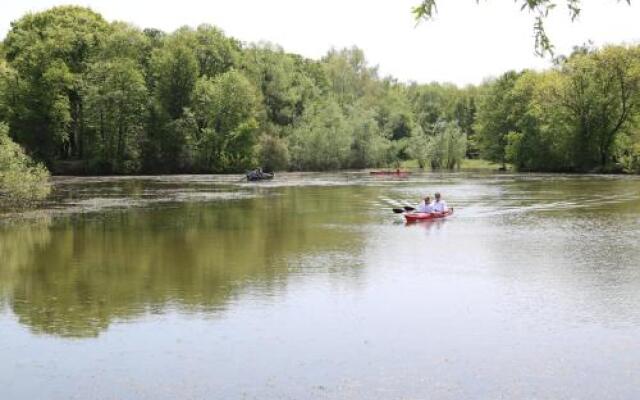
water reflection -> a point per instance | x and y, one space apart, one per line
17 247
75 276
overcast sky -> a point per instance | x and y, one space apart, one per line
466 42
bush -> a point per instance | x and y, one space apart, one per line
369 146
273 153
321 141
22 181
628 153
445 146
418 148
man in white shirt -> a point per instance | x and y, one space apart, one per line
440 205
426 206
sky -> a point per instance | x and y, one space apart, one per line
465 44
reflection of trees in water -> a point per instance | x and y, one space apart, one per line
17 247
76 276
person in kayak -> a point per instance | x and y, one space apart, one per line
255 174
426 206
440 205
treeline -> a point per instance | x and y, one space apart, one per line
84 95
581 115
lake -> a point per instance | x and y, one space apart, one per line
309 287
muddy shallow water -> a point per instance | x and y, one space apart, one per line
309 287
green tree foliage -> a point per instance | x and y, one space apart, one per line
447 146
273 153
370 145
572 118
446 102
50 51
286 82
432 103
496 117
541 139
175 69
364 97
127 42
418 148
321 140
21 180
600 94
393 109
443 147
215 53
328 138
7 78
349 75
628 151
225 110
115 105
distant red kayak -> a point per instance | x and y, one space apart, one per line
416 216
390 173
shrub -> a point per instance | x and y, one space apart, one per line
273 153
22 181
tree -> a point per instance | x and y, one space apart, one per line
102 97
7 77
443 146
126 41
393 109
541 140
50 51
349 75
175 69
427 9
370 146
436 102
601 95
321 140
284 82
496 117
225 110
215 53
116 101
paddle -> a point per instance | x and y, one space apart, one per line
403 209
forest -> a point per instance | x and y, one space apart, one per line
82 95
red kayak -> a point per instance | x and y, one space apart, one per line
416 216
390 173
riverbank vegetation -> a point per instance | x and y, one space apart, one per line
22 181
83 95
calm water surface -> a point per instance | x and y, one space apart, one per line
309 287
